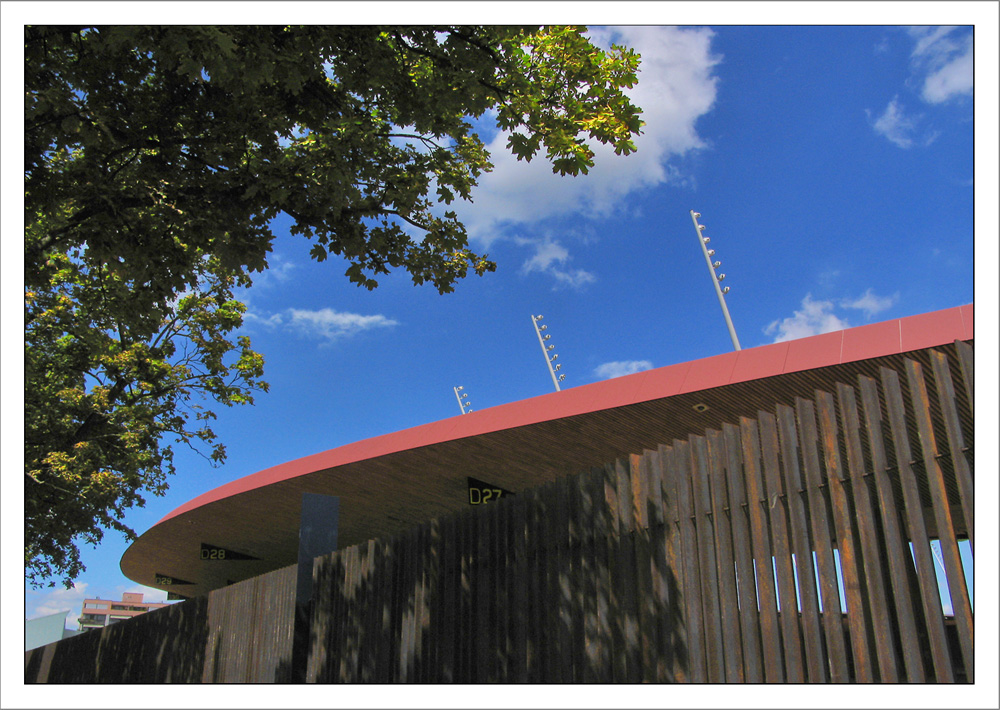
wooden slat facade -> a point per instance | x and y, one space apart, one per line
775 550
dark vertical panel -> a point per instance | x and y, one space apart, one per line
897 551
724 562
629 611
536 627
801 546
559 567
743 555
875 584
854 591
715 648
504 562
646 618
372 614
660 566
679 464
450 581
931 602
519 592
822 542
589 652
384 667
956 443
576 546
920 402
756 506
619 662
674 622
603 642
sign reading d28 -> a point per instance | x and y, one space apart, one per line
482 492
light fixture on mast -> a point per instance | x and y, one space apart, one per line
464 404
545 351
716 278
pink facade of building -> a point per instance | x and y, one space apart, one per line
104 612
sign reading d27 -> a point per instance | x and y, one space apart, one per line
482 492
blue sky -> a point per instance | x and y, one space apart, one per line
834 171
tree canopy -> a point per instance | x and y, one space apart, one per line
156 159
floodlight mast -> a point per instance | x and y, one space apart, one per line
545 352
462 402
698 228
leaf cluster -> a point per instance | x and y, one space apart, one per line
156 159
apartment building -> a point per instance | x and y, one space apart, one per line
104 612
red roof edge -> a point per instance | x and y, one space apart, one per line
860 343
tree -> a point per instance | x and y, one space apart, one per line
156 159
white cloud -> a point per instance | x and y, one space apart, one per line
675 88
58 600
814 318
323 323
870 303
895 125
945 61
330 324
550 257
619 368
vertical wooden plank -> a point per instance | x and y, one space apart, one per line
519 592
601 665
864 516
576 572
680 463
387 594
505 566
757 509
920 402
853 583
646 618
956 443
930 600
618 661
715 647
450 581
588 578
659 595
897 552
753 663
966 359
673 621
779 514
822 542
628 610
725 564
536 628
802 547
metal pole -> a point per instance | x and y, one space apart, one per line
534 322
461 404
715 280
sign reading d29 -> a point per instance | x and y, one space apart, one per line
482 492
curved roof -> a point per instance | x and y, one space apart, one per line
390 483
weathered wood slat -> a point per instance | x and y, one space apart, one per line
756 505
854 592
729 605
778 518
679 467
753 663
715 646
920 402
921 546
880 628
956 442
675 622
896 549
815 482
799 526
